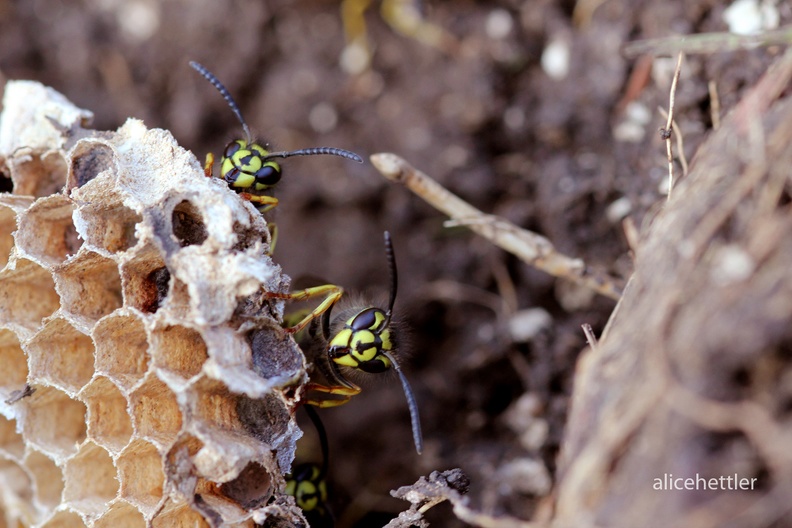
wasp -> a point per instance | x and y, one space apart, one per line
248 166
360 339
307 483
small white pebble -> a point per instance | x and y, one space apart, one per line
323 117
748 17
499 24
618 209
526 324
555 59
731 264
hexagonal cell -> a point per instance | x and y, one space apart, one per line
251 488
146 281
17 490
141 475
90 480
90 287
179 516
64 519
216 406
7 226
111 228
178 350
88 160
37 174
53 422
189 227
109 424
121 333
46 231
47 479
62 355
11 443
121 514
157 416
12 358
27 295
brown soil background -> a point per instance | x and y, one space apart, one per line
487 122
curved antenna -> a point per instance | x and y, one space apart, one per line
320 430
394 278
415 420
314 151
209 76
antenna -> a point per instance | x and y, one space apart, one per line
414 418
209 76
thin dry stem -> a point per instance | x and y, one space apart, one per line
666 132
530 247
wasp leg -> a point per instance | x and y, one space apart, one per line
265 203
208 164
273 229
344 394
332 292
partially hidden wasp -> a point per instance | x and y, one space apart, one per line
247 166
358 339
308 485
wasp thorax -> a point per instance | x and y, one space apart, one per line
245 166
362 341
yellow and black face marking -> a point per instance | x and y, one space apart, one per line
365 342
307 483
246 165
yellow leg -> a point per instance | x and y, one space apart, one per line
344 395
273 229
208 164
268 202
332 292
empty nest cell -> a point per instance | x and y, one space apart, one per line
64 519
146 281
16 486
179 515
7 226
114 334
141 475
36 173
27 295
90 287
61 355
46 231
14 364
121 514
90 480
47 479
188 224
156 412
109 424
179 350
12 445
88 160
112 228
53 422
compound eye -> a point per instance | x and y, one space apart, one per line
269 174
232 148
365 320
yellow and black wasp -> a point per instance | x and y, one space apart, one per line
308 485
358 339
248 166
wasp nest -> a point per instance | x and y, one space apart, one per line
142 370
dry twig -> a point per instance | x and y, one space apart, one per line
706 43
530 247
665 133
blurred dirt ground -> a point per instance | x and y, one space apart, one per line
566 152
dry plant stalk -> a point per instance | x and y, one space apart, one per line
530 247
691 378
